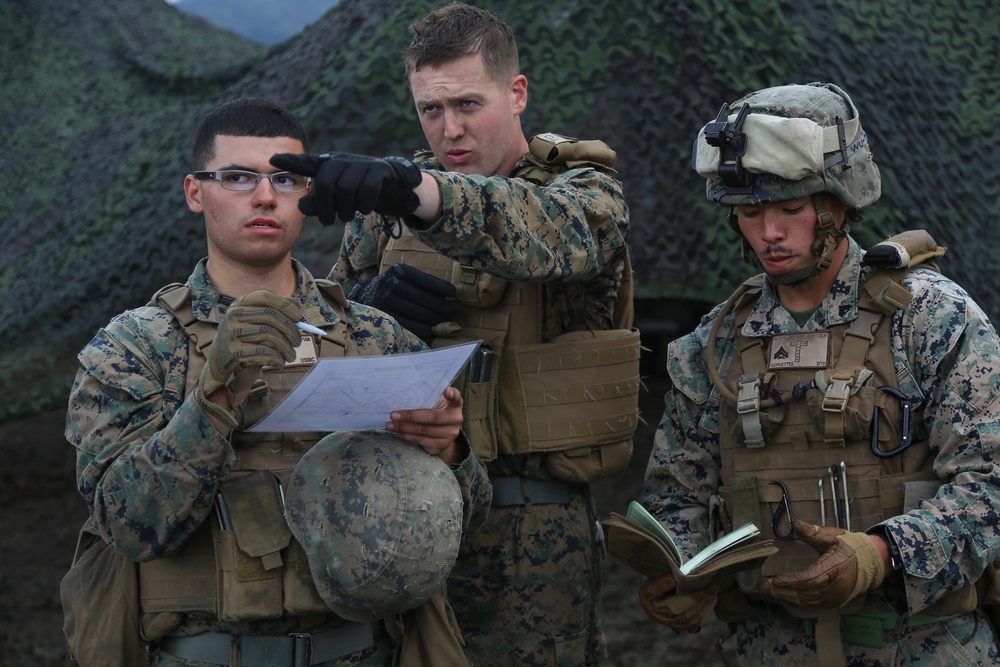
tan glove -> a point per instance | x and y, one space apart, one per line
684 613
849 565
257 330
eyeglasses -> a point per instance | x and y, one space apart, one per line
238 180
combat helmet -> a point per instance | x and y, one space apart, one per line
788 142
380 521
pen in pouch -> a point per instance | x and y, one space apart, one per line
822 504
473 369
847 499
222 512
486 371
835 503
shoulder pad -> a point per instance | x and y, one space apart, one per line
905 251
558 149
892 259
170 297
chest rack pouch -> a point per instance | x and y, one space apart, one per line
249 548
575 399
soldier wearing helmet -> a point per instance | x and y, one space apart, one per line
857 391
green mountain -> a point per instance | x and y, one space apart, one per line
264 21
99 100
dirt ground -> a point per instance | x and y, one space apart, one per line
40 513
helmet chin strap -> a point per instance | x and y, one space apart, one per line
828 237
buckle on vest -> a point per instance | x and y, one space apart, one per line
748 399
835 398
748 407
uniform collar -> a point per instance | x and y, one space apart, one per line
840 305
208 305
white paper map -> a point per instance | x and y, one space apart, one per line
358 393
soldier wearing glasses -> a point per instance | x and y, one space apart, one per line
160 407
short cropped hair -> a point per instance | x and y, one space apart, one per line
244 117
458 30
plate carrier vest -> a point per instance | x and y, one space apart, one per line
254 569
787 424
574 398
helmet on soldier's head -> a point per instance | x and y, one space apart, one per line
380 521
784 143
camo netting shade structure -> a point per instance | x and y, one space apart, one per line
95 154
95 112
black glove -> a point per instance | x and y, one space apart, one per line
344 183
416 299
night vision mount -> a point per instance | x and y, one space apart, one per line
731 141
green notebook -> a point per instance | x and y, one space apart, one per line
640 541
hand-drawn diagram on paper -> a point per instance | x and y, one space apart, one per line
358 393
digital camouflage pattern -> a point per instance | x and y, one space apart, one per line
526 588
380 521
946 353
143 445
964 640
570 235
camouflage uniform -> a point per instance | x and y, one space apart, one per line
149 460
526 588
945 352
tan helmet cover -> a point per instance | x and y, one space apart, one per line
799 140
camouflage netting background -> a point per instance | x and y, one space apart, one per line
98 102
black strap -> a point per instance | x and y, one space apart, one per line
295 650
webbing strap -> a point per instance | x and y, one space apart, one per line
834 404
859 338
515 490
748 408
829 646
296 650
870 630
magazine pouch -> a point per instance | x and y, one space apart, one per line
249 554
100 599
479 391
431 635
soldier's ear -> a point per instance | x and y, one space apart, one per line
519 94
837 208
193 194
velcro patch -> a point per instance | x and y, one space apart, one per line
809 350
